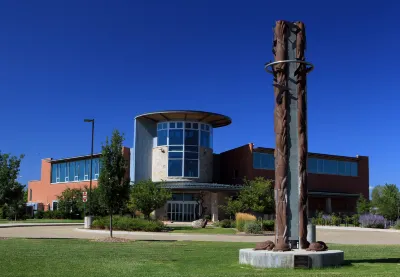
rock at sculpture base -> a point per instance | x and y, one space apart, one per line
317 246
266 245
282 246
200 223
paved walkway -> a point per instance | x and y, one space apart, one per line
11 225
327 235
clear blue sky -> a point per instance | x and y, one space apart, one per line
63 61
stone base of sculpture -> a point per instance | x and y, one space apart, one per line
291 259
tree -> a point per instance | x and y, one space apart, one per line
70 203
387 199
363 205
257 196
15 198
113 185
232 206
9 170
147 196
11 191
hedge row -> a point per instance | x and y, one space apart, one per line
128 224
56 215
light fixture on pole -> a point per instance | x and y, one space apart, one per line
91 167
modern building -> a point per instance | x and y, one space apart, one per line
176 147
334 182
60 174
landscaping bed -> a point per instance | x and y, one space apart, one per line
122 223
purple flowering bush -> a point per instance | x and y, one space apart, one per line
372 221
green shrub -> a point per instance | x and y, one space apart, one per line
128 224
355 219
226 223
252 227
39 214
208 217
336 220
397 226
3 213
101 223
348 220
268 225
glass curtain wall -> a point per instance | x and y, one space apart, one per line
183 140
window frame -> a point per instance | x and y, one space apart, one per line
185 125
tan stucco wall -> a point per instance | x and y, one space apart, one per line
160 166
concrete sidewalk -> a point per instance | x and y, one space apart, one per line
327 235
12 225
357 229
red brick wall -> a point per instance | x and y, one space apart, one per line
241 159
45 192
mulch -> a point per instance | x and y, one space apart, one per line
112 240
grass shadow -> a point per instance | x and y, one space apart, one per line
373 261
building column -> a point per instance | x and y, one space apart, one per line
214 206
328 205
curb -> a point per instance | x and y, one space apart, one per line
11 225
357 229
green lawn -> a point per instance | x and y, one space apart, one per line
68 257
207 230
43 221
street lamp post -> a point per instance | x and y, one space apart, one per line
91 167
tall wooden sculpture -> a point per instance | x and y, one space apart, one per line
290 119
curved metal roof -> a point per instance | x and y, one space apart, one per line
214 119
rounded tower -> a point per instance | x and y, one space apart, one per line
175 145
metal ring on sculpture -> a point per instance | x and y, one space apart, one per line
308 70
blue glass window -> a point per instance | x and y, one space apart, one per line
335 167
341 168
312 165
330 167
177 197
176 137
191 137
354 169
81 170
192 148
188 197
205 139
183 140
175 155
175 167
53 173
263 161
191 168
191 155
87 170
176 148
62 172
162 137
71 171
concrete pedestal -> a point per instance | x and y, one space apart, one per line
88 222
304 259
